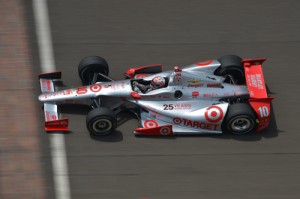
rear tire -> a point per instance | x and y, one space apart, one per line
240 119
101 121
231 65
90 65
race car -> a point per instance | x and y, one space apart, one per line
208 97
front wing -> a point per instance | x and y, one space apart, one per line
52 119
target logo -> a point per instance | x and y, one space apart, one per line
150 124
214 114
165 130
177 120
95 87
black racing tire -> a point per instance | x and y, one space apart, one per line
90 65
231 65
101 121
240 119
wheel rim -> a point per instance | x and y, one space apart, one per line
102 126
241 125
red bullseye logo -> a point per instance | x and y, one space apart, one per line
95 87
177 120
165 131
150 124
214 114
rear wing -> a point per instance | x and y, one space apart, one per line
259 99
52 119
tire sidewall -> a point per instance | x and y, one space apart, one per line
92 123
242 116
239 110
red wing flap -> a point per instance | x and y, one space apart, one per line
165 130
259 99
57 125
262 107
255 78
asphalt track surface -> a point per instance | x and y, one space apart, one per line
140 32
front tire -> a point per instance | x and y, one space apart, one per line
101 121
240 119
231 65
88 66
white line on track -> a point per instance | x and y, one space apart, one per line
57 141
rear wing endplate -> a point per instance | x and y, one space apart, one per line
259 99
52 119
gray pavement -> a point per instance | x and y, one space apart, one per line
141 32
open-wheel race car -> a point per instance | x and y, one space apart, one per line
207 97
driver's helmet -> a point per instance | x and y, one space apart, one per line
158 82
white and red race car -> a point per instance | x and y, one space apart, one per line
208 97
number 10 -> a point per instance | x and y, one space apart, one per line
264 111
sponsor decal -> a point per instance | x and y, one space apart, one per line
115 85
195 124
178 76
255 81
58 123
150 124
193 81
165 130
47 85
177 121
168 106
204 63
81 90
95 87
48 117
68 92
210 94
181 106
195 94
196 85
57 93
214 114
214 85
